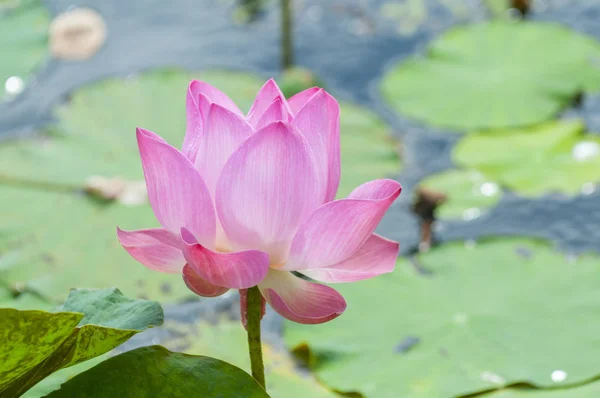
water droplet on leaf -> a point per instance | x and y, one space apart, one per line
492 378
588 188
559 376
489 189
471 214
13 85
585 150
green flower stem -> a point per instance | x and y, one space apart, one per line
254 343
287 39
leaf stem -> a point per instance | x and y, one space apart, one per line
254 343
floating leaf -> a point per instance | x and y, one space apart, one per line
27 301
157 372
23 300
496 74
368 149
37 343
61 240
296 79
96 131
96 136
42 179
586 391
502 312
465 190
552 157
23 37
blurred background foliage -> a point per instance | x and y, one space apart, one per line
479 107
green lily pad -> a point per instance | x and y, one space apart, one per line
296 79
227 340
502 312
368 148
468 193
64 240
40 180
23 301
552 157
586 391
60 238
96 130
37 343
23 40
157 372
495 74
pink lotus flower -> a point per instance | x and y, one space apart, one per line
250 198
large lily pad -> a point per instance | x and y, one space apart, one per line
586 391
37 343
96 130
496 74
468 193
61 238
227 340
23 38
64 240
552 157
23 301
502 312
157 372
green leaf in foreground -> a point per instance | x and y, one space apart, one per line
157 372
37 343
496 74
42 179
56 379
502 312
551 157
227 340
